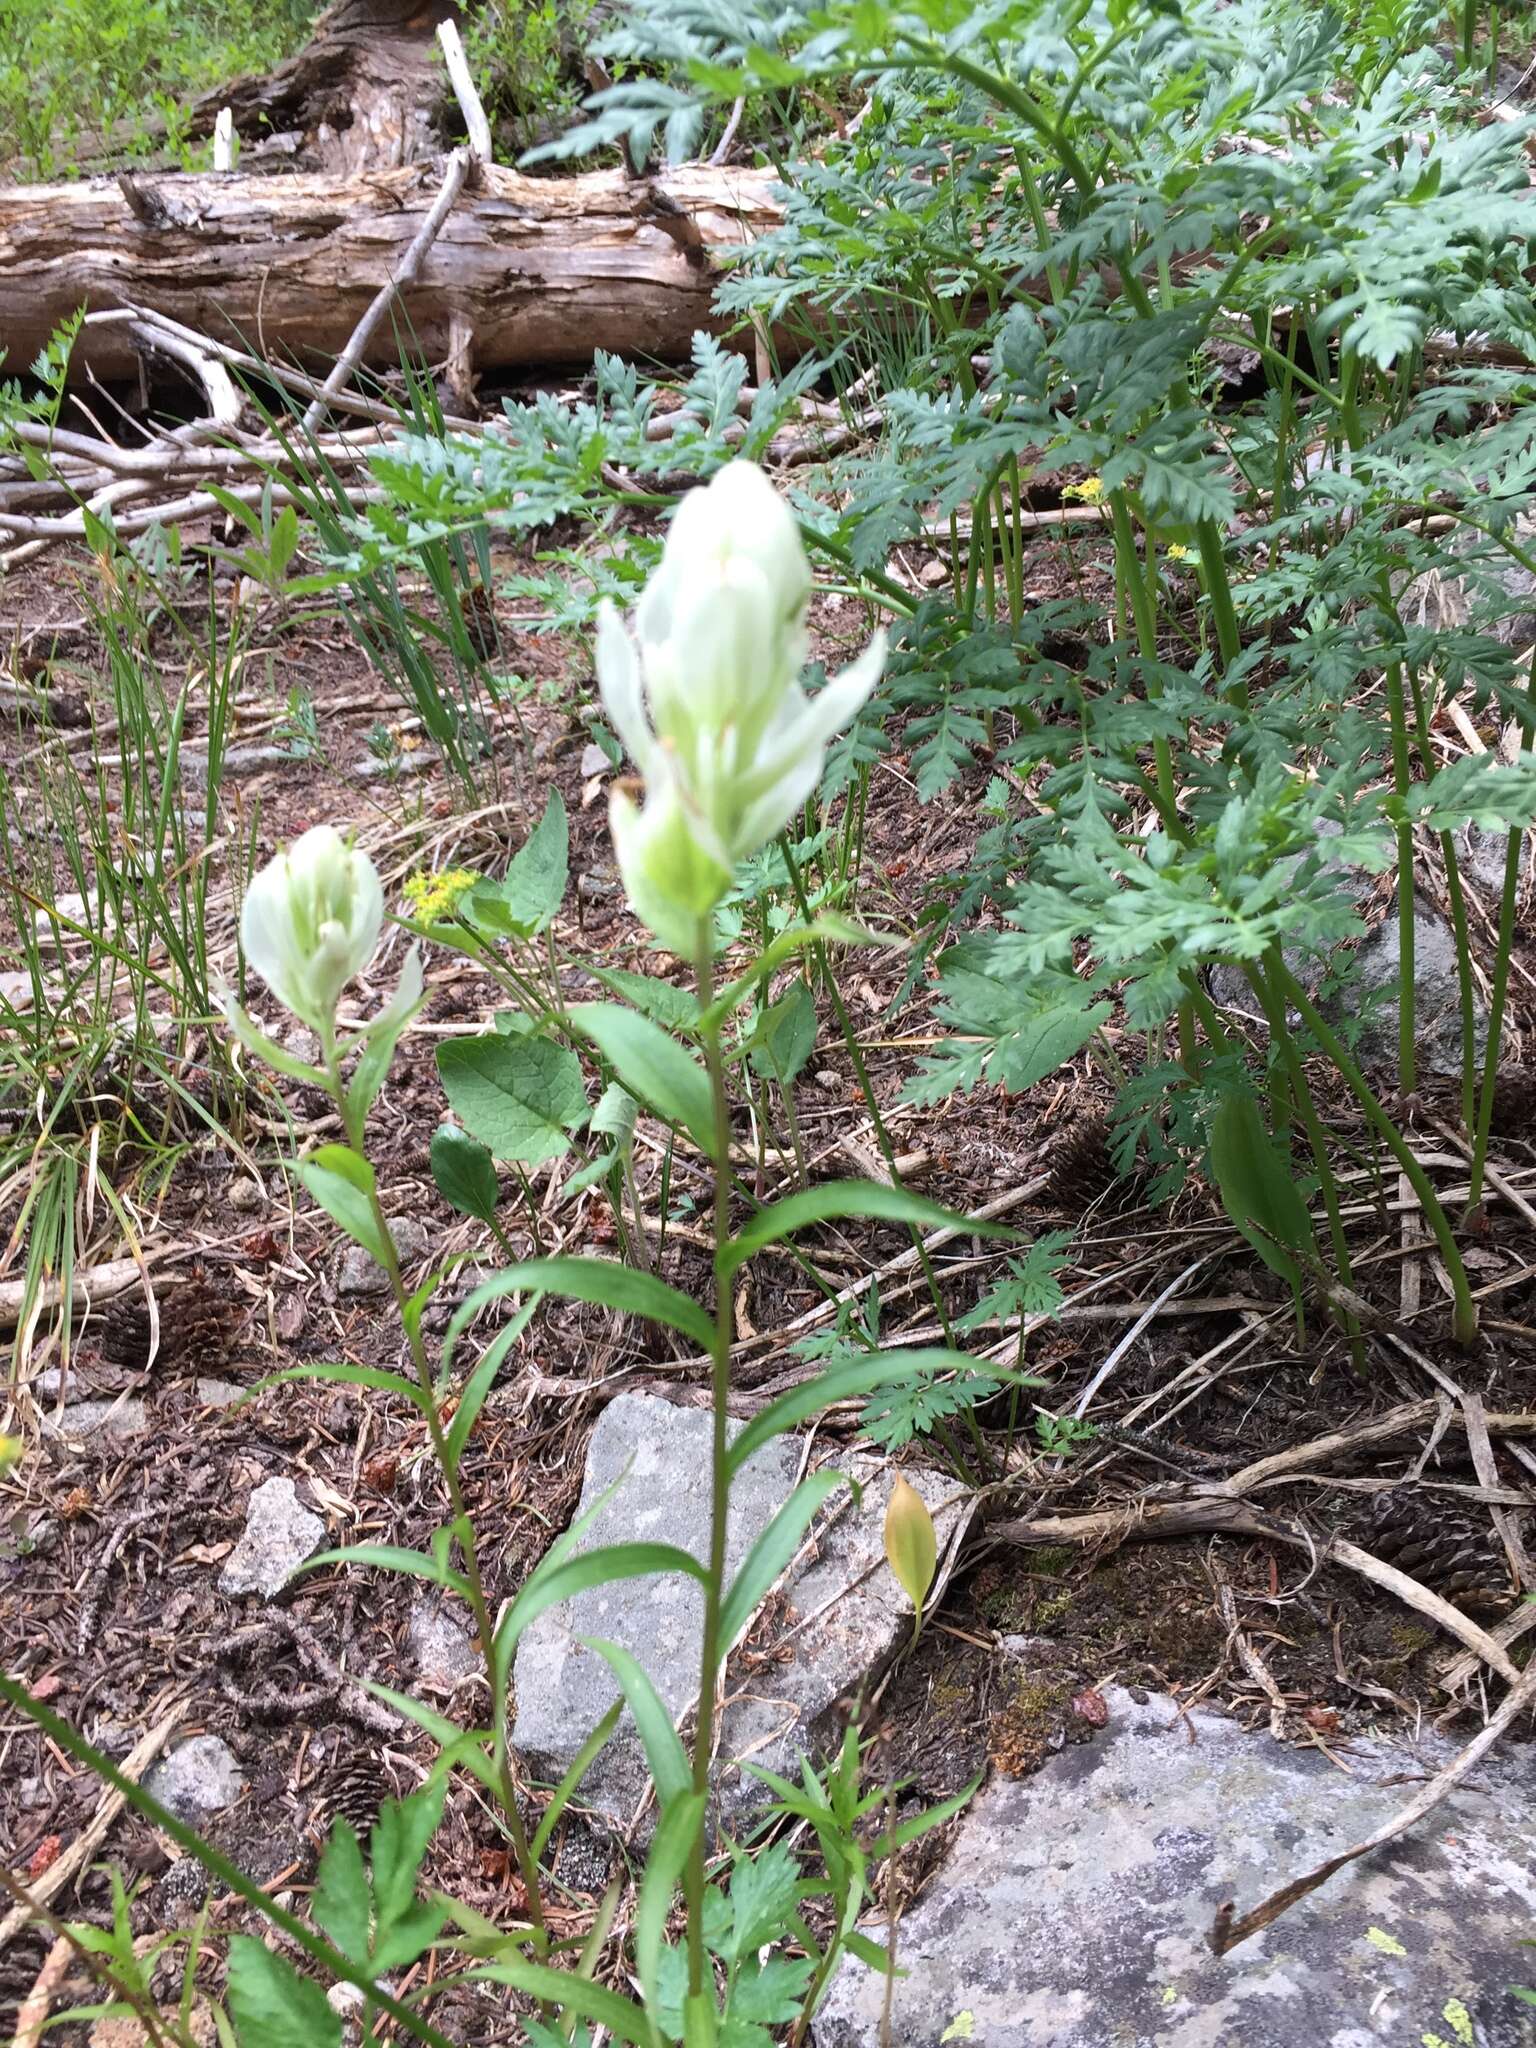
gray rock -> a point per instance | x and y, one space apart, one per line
1370 992
218 1393
594 761
1074 1908
1493 594
1481 856
420 761
280 1532
443 1654
82 1420
246 1196
197 1780
842 1618
359 1273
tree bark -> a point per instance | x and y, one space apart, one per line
365 92
533 270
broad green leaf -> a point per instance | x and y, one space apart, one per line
676 1008
343 1903
652 1066
465 1173
519 1096
614 1116
271 2005
601 1281
785 1036
534 885
663 1750
771 1553
341 1181
1258 1188
864 1198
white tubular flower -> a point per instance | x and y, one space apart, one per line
311 921
706 698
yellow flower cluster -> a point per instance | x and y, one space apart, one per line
430 897
1088 492
1177 552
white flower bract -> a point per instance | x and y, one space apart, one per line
705 696
311 921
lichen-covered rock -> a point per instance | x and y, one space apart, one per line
1075 1906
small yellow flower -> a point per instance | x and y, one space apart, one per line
1088 492
430 897
1177 552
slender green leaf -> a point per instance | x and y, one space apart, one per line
663 1750
864 1198
481 1380
603 1282
566 1790
653 1067
341 1181
771 1553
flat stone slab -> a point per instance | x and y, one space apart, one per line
841 1617
280 1532
1074 1907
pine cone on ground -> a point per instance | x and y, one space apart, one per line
1081 1166
356 1792
200 1321
1453 1553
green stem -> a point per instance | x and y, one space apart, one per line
1464 1317
720 1386
1128 569
1500 990
480 1606
1317 1139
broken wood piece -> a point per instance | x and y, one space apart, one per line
88 1286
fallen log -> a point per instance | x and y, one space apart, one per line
534 270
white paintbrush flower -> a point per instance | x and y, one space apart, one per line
311 921
706 697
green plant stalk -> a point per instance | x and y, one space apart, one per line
720 1486
1464 1314
1259 979
1507 902
1128 569
1500 986
1460 928
480 1607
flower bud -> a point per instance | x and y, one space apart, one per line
707 701
311 921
